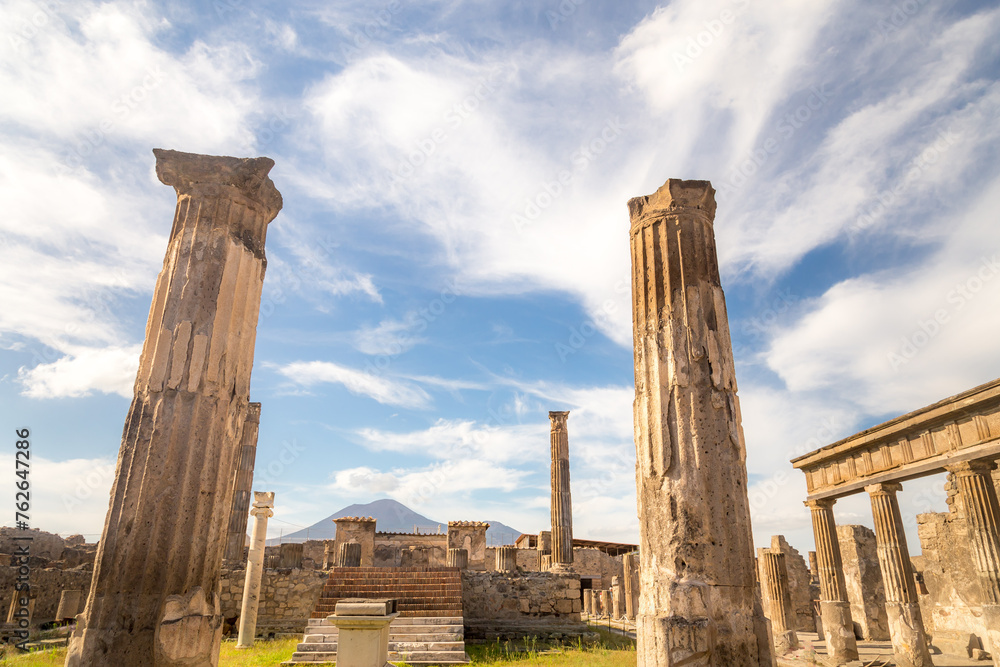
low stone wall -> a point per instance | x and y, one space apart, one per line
499 605
287 598
46 586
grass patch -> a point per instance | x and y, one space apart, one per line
263 653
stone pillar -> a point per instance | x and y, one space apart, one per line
69 605
562 505
349 555
595 604
290 556
458 558
617 598
357 529
242 483
698 598
588 602
606 603
835 610
774 578
863 576
906 626
471 536
978 497
506 558
545 542
153 598
263 503
546 562
329 555
813 569
630 564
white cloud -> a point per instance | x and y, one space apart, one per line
391 336
460 439
384 390
108 370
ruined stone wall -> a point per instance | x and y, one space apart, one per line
410 550
863 577
44 545
598 565
287 598
46 586
800 587
539 604
950 593
528 560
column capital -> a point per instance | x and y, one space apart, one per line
884 488
558 419
263 500
253 413
974 467
820 503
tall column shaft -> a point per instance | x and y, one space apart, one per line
775 580
562 505
906 625
153 598
835 609
630 563
978 495
242 484
698 601
262 510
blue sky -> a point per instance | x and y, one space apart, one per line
451 262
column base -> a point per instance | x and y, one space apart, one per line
991 614
838 629
909 640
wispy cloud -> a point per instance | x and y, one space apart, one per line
382 389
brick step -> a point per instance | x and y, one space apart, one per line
411 658
395 647
399 621
401 601
447 633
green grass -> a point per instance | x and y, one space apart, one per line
609 650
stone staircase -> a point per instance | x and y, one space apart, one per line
428 631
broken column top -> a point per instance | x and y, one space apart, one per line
676 193
354 519
263 499
253 413
188 172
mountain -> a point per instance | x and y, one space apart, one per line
391 516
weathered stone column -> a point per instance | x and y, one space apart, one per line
835 609
978 497
242 483
606 609
69 605
360 529
458 558
153 598
263 503
617 598
588 597
290 555
349 555
631 581
906 626
813 569
562 504
698 601
506 559
545 562
775 581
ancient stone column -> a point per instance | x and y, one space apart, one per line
906 626
357 529
617 598
631 581
813 569
349 555
261 511
242 482
506 559
698 598
978 497
458 558
562 505
471 536
69 605
774 575
290 555
545 542
153 598
835 609
606 609
588 602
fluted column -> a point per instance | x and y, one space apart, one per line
775 575
349 555
906 626
834 606
617 597
698 600
630 564
263 504
978 495
153 597
458 558
242 484
606 609
562 505
506 559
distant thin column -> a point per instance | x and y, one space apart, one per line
263 505
630 564
242 485
562 504
775 574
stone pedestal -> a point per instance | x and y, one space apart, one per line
153 598
506 559
906 626
242 482
263 503
774 579
69 605
363 636
458 558
562 505
349 555
360 530
630 564
835 610
978 498
698 602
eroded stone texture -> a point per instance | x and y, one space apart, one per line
506 559
606 606
153 599
617 598
262 510
69 605
863 577
357 529
242 482
630 564
588 602
458 558
906 627
290 555
471 536
835 609
349 555
698 602
774 587
562 505
800 587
